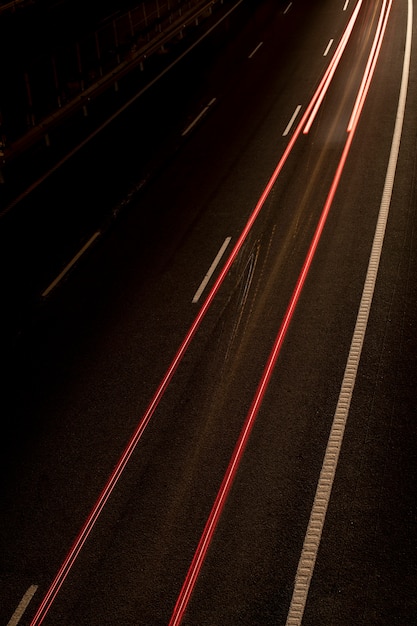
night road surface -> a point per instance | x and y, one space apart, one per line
211 416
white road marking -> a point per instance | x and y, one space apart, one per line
329 45
318 513
292 120
70 264
255 50
211 270
346 5
23 604
198 118
288 8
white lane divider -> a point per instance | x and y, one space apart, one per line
198 118
292 120
22 606
70 264
288 8
346 5
329 45
255 50
211 270
312 538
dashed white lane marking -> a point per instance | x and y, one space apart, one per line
329 45
23 605
211 270
255 50
70 264
346 5
292 120
198 118
318 513
288 8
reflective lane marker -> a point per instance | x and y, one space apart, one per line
292 120
318 513
255 50
329 45
198 118
346 5
70 264
211 270
23 604
288 8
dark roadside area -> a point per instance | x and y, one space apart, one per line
60 192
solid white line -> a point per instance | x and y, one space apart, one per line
23 604
211 270
70 264
346 5
198 118
329 45
318 513
255 50
292 120
288 8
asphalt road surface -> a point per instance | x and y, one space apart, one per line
210 418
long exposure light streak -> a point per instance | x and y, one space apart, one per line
328 77
371 64
118 470
221 498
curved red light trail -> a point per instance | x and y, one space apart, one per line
106 492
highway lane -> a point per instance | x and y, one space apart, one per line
142 545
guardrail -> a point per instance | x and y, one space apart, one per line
12 5
98 63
